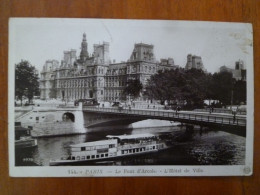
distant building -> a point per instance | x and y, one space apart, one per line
94 76
194 62
238 73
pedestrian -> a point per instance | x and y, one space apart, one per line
234 116
177 109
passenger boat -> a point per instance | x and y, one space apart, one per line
116 146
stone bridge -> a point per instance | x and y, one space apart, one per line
94 116
71 119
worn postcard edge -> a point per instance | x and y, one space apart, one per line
132 171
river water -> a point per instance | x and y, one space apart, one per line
205 147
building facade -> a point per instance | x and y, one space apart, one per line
238 73
94 76
194 62
48 78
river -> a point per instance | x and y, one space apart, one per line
205 147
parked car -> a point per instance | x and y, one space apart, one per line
27 103
117 104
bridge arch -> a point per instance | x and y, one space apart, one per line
68 117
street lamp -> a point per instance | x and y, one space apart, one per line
232 92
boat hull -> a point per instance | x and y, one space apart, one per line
89 162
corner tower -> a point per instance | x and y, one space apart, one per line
143 52
84 48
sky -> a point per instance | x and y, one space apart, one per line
38 39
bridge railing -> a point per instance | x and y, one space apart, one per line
230 120
221 110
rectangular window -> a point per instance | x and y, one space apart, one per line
92 156
106 155
103 150
111 145
83 148
88 157
97 156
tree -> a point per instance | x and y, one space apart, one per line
223 84
133 88
196 87
239 94
178 85
26 81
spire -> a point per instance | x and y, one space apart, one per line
84 37
84 48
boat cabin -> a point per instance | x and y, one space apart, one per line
94 150
133 139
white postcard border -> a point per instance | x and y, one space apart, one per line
132 171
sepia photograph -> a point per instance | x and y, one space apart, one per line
110 97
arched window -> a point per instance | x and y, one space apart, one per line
68 117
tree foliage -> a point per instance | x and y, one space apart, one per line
26 81
223 86
133 88
239 94
178 85
194 86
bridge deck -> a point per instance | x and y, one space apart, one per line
182 116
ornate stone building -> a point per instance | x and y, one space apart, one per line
94 76
48 77
194 62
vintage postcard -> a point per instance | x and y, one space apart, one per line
103 97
